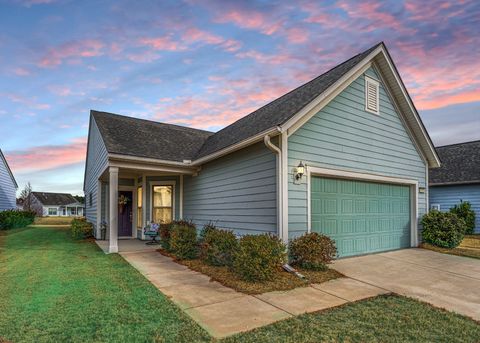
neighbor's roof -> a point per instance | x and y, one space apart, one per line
58 199
145 138
137 137
460 164
2 157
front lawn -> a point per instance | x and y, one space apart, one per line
54 289
388 318
53 220
470 247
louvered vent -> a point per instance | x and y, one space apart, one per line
371 95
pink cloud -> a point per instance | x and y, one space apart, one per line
75 50
30 102
195 35
48 157
21 71
249 20
297 35
162 43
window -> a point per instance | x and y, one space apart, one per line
162 210
74 211
372 101
435 207
52 211
139 207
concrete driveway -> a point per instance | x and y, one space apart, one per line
447 281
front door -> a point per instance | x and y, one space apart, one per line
125 213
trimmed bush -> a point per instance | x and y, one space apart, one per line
218 247
258 257
464 211
13 219
206 229
312 251
164 232
183 240
443 229
81 229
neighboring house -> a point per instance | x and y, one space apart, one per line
458 179
8 186
55 204
345 154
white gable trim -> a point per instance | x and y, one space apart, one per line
8 169
305 114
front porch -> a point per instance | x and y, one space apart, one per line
131 195
127 246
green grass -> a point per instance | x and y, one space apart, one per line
53 220
470 247
381 319
54 289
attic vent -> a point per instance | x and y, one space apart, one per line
371 95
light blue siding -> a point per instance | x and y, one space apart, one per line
449 196
345 136
97 160
237 192
7 187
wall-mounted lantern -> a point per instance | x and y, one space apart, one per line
299 171
421 190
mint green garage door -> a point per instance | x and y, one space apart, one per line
362 217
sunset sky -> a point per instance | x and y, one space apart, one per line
206 63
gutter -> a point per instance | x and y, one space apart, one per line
278 152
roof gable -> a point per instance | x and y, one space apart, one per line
2 158
460 164
55 199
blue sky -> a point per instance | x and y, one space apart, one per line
206 63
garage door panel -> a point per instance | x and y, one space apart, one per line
361 217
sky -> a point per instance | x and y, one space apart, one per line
206 64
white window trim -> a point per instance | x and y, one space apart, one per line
162 183
343 174
369 80
435 207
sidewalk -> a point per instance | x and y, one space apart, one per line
223 312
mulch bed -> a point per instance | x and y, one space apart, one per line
282 281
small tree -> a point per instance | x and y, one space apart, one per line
464 211
25 195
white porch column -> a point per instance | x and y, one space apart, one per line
113 222
144 203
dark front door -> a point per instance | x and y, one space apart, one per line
125 213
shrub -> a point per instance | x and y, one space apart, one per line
164 232
312 251
13 219
464 211
218 246
258 257
81 229
206 229
443 229
183 240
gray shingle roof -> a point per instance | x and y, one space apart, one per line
138 137
55 198
145 138
460 164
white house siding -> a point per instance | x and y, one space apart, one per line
7 188
345 136
97 160
236 192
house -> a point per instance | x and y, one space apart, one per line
345 154
55 204
8 186
458 179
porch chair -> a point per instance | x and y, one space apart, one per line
151 230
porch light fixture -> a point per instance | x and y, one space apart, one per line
299 171
421 190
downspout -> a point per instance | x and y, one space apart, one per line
276 150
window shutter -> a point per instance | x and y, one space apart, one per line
372 95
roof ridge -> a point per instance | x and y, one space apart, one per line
149 121
462 143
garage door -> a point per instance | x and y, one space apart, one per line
362 217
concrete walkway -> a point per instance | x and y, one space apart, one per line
222 311
446 281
